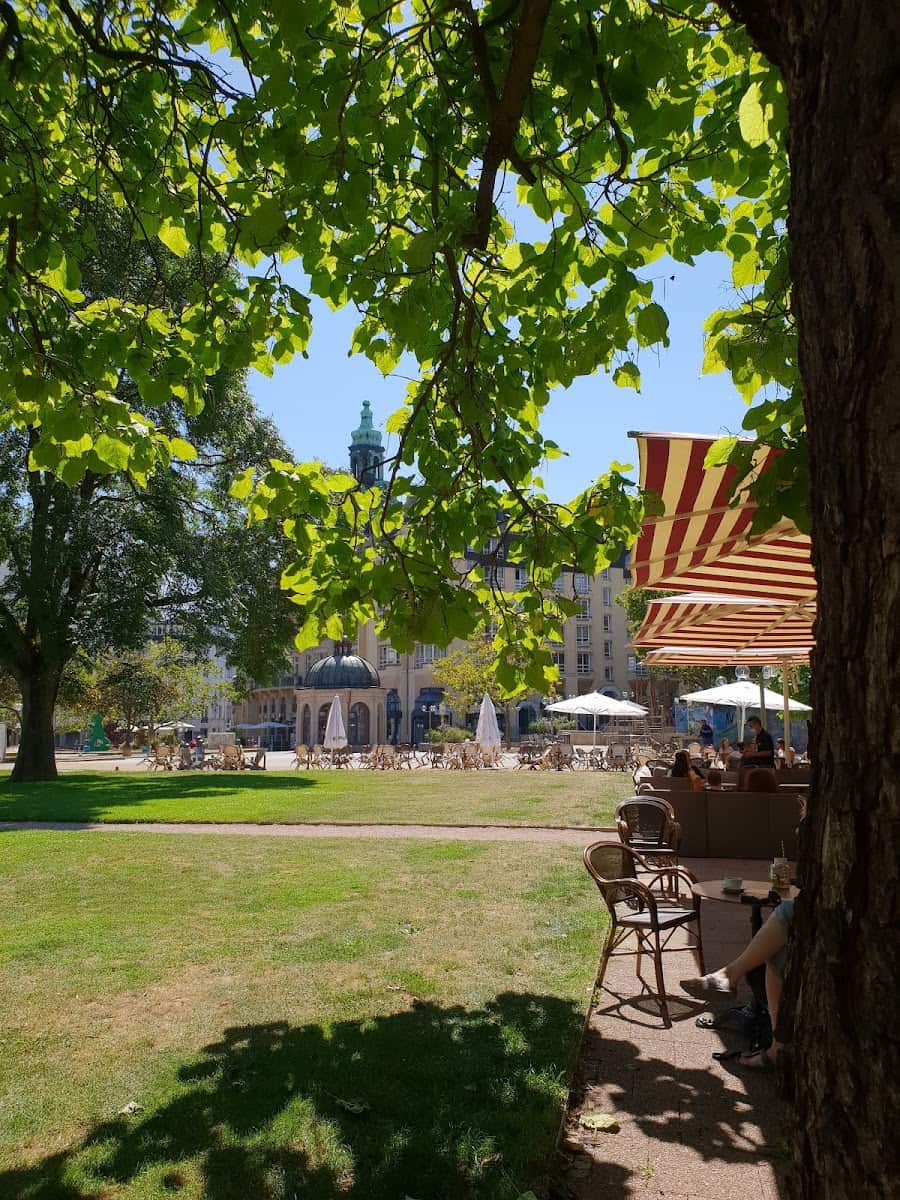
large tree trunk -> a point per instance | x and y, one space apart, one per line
841 63
36 758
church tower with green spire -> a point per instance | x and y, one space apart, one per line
366 450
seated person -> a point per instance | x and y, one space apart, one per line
713 780
769 946
732 760
760 779
683 768
784 758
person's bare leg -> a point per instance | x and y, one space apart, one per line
761 947
764 945
765 1058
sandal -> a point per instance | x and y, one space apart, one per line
706 987
757 1060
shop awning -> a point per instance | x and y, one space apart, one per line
702 540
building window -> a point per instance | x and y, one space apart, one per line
604 574
607 649
584 613
582 635
559 584
582 584
493 576
559 660
387 657
607 597
521 577
608 674
607 623
426 654
584 664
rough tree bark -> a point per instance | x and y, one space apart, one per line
35 758
841 64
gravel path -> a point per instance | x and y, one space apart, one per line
470 833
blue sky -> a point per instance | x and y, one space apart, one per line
316 401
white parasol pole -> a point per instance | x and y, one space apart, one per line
786 719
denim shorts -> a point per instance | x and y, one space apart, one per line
784 914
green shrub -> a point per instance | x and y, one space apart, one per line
449 733
552 725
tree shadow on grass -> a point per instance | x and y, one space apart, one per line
77 797
432 1102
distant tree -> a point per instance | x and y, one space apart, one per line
635 602
77 699
93 564
465 675
159 682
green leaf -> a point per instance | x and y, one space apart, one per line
242 485
420 250
174 237
600 1120
719 452
752 118
112 452
179 448
628 375
652 325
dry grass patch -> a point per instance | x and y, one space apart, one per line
293 1019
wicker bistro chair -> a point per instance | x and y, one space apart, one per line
647 824
650 908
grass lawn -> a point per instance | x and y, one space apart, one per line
322 1020
426 796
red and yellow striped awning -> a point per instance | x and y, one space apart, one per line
741 624
702 540
722 656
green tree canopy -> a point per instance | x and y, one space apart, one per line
92 563
487 185
157 683
465 675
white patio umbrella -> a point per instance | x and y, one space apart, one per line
487 733
743 695
596 704
335 734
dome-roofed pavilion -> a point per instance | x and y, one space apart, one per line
343 669
342 674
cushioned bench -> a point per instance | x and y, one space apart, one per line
735 824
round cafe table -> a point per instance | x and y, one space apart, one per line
759 895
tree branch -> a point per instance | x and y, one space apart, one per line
507 115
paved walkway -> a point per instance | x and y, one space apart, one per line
691 1128
470 833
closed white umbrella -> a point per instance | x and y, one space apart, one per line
487 733
335 734
596 704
